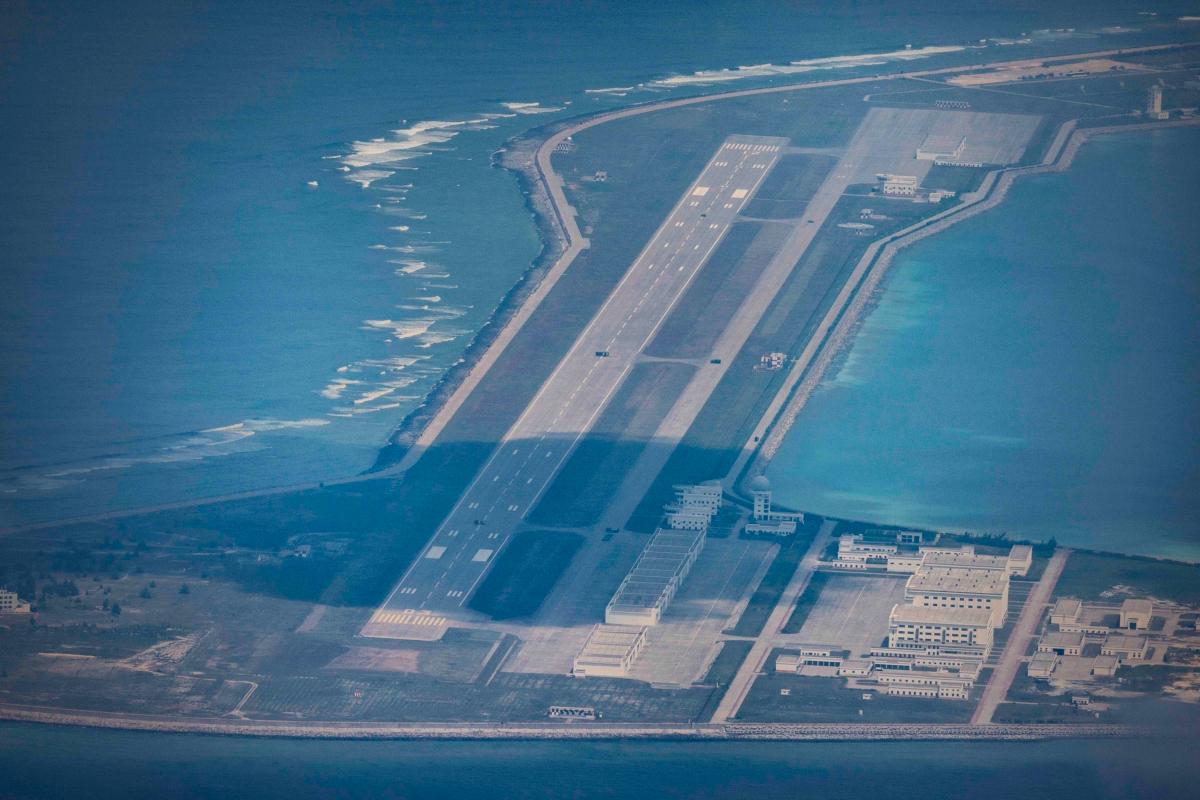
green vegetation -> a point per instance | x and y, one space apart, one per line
525 572
807 602
826 700
1088 575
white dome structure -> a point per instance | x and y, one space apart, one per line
760 484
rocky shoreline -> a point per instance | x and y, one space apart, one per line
518 156
576 730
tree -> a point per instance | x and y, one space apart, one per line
115 610
144 593
183 589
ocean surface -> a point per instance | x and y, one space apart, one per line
136 765
1033 370
240 243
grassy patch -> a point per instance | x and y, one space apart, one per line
524 573
1088 574
826 700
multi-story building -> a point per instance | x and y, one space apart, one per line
934 625
766 518
10 603
953 588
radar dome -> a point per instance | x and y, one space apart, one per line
760 484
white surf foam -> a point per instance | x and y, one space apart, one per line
530 108
711 76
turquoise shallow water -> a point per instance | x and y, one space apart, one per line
183 314
1033 370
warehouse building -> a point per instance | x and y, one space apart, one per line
1066 611
1062 643
655 578
1125 648
609 651
923 624
1136 615
1042 664
941 587
937 147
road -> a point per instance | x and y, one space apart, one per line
1025 629
739 687
437 586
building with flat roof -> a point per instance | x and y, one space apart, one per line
809 655
609 651
937 625
899 185
766 519
694 506
938 147
1125 648
1062 643
1105 666
656 576
10 603
1042 664
1020 560
1066 610
949 587
1136 614
965 559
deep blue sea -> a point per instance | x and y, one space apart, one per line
1033 370
242 240
106 764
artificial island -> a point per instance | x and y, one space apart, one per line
573 537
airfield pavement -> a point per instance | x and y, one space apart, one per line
436 587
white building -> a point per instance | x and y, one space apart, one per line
1125 648
1020 560
1136 615
1154 108
609 651
694 506
1066 611
938 147
1062 643
899 185
810 655
1042 665
954 588
656 576
965 559
10 603
766 519
931 625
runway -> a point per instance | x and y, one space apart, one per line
435 589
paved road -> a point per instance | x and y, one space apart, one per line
1026 627
441 580
739 687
